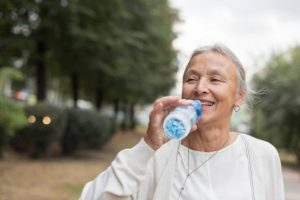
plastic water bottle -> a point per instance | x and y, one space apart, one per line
179 122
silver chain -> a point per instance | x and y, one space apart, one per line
188 168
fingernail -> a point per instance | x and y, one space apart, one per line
185 101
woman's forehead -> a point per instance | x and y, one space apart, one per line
211 61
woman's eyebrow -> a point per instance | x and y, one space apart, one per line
218 71
191 71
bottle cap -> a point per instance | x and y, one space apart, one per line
197 107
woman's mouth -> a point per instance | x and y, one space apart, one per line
206 104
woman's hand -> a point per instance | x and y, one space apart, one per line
155 136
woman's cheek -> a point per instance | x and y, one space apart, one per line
187 91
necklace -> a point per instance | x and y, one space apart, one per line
189 173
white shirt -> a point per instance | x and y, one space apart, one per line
224 174
140 173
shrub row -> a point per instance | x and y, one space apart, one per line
66 130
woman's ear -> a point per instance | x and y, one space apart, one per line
240 96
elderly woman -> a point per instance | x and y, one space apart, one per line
212 162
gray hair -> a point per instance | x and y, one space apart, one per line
241 73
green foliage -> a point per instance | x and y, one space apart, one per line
86 129
12 115
37 138
7 73
146 67
124 47
68 131
276 118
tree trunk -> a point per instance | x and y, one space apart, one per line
99 98
132 121
116 108
41 72
75 88
115 116
124 124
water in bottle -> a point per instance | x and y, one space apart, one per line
179 122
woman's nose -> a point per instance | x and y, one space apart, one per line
201 87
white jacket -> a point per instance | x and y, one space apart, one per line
140 173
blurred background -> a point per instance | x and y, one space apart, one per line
78 78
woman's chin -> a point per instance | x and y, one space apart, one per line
207 108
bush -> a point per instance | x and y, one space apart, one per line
70 130
45 129
12 117
86 129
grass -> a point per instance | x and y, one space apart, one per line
57 178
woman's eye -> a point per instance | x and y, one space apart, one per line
215 80
189 80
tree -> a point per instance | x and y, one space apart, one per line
112 51
137 59
150 57
29 27
276 117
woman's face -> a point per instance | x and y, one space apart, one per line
212 78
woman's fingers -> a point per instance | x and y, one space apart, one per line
172 101
194 128
156 116
162 106
168 103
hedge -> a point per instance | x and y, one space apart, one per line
69 130
46 126
86 129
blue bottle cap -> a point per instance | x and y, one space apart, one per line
197 106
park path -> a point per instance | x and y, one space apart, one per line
291 184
